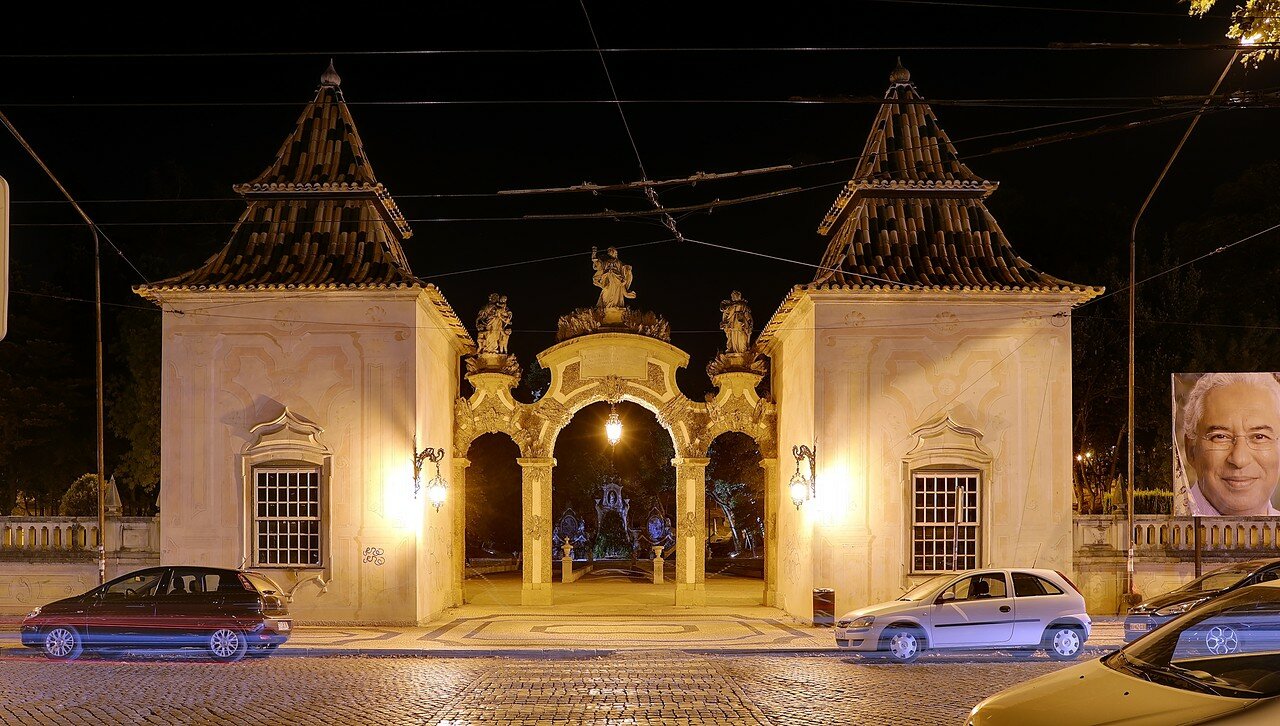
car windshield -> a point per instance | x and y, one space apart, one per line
927 589
1216 580
1230 647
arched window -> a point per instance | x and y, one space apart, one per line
944 473
286 482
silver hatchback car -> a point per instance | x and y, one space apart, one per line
1022 610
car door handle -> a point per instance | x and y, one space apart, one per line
1004 608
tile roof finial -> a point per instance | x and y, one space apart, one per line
330 77
899 74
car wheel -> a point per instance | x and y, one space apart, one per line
904 644
1222 640
1063 642
227 645
62 642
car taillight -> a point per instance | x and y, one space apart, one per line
1069 582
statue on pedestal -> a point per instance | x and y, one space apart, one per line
612 277
735 321
739 355
493 330
493 325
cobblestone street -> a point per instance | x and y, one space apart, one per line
625 688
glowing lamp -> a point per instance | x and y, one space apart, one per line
613 427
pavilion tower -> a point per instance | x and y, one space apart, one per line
931 365
303 364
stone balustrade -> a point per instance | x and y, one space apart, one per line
24 537
1162 534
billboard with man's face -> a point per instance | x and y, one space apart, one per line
1226 444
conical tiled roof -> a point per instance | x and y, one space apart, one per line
913 214
317 216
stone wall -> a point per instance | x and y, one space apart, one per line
1164 552
43 559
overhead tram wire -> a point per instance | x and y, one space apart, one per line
1045 102
611 214
1052 46
692 179
650 193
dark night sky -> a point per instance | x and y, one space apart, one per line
197 151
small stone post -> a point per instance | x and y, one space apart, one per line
657 564
566 562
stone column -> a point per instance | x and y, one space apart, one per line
772 499
566 563
657 564
691 530
459 495
535 491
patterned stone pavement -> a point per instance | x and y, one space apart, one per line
646 687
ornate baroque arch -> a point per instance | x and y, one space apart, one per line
613 367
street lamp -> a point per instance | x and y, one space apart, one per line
613 426
804 487
1130 594
437 487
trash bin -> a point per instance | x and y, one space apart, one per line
824 606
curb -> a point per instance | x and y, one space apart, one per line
554 654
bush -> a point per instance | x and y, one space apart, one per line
81 500
1145 501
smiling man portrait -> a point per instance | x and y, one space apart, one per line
1230 425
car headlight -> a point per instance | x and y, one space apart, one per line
1178 608
32 614
862 622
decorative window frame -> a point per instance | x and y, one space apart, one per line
944 446
288 441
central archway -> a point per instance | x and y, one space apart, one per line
614 367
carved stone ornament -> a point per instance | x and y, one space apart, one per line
493 363
686 526
585 321
749 361
534 527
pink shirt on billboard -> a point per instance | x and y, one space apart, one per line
1200 507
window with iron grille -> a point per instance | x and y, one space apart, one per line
945 526
286 524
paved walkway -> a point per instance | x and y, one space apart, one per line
593 616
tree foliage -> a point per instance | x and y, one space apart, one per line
493 499
46 401
1253 22
133 410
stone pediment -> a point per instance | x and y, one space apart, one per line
943 441
287 433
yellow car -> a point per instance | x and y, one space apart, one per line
1219 663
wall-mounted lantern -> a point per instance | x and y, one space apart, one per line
437 488
804 487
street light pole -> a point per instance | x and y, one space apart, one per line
97 296
1133 307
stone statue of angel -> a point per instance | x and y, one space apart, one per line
736 322
493 325
612 277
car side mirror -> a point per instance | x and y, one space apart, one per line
946 597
